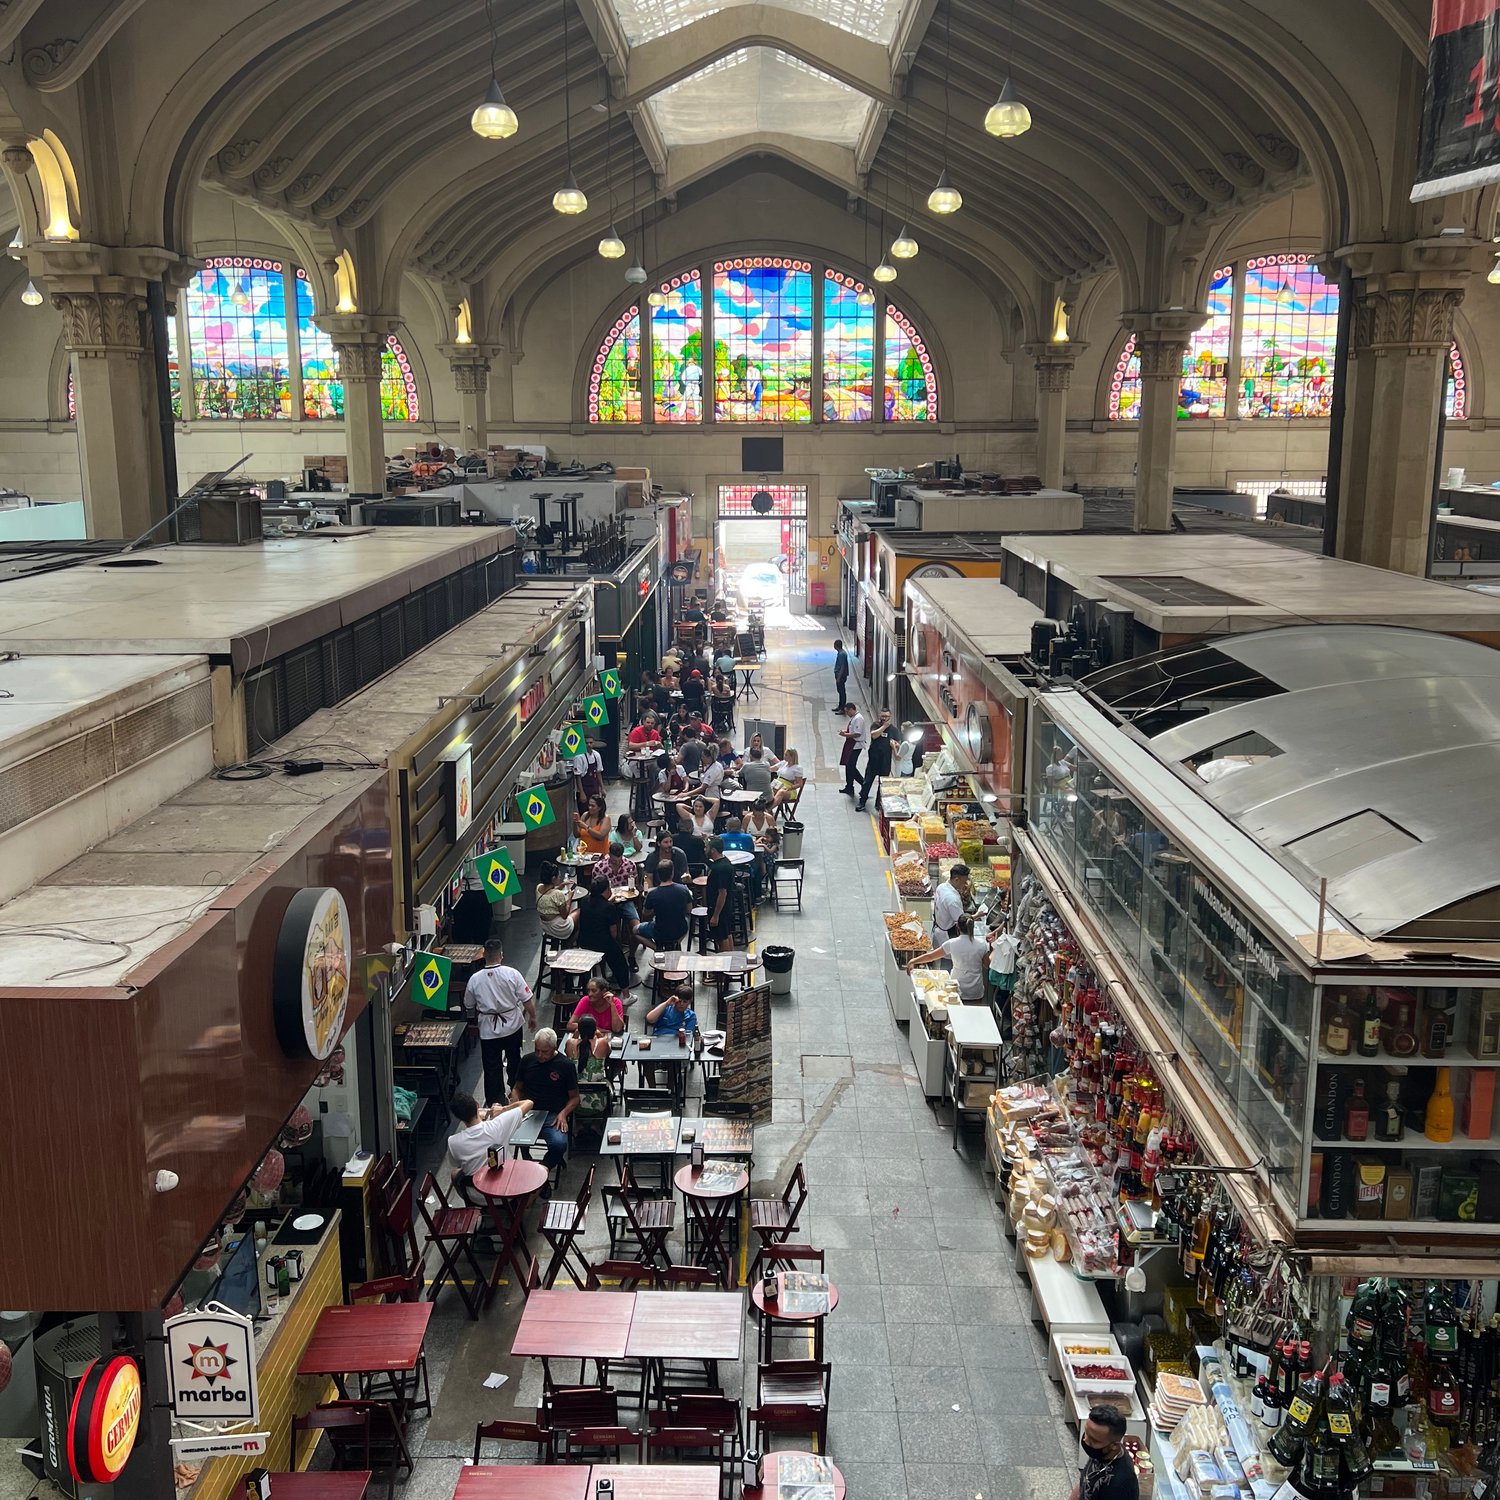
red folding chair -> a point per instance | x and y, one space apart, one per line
562 1227
452 1227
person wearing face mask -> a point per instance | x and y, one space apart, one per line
1108 1473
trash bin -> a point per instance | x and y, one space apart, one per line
791 840
778 962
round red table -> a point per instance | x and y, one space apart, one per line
509 1190
773 1314
709 1204
770 1471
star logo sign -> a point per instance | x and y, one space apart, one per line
209 1361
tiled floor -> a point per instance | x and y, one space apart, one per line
938 1387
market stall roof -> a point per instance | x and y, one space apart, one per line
986 545
981 612
1208 583
1364 755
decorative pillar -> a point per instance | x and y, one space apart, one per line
1161 340
470 364
1054 374
502 396
1405 298
360 339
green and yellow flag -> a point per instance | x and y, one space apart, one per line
498 873
596 712
571 741
609 683
535 807
432 981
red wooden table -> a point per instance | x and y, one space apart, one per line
346 1484
509 1190
560 1325
776 1314
686 1325
514 1482
366 1340
659 1481
770 1470
710 1194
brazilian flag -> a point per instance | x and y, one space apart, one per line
596 712
571 741
609 683
432 981
536 807
498 874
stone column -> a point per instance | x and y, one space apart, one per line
360 339
1405 298
1161 349
470 364
1054 374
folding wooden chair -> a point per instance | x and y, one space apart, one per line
631 1217
793 1398
452 1228
361 1435
562 1227
775 1220
515 1432
667 1440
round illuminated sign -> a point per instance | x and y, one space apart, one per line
933 570
104 1420
977 733
310 973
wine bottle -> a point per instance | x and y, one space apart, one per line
1272 1406
1367 1043
1362 1320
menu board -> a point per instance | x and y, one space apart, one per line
648 1135
745 1076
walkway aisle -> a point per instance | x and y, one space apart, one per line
938 1387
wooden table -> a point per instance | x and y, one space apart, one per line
735 961
343 1484
630 1325
518 1482
462 953
641 1135
508 1190
776 1314
658 1481
668 1052
575 961
371 1339
710 1195
721 1137
771 1474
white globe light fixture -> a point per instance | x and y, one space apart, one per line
31 297
885 271
904 247
494 119
612 247
1007 117
944 197
570 198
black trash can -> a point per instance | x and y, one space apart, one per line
791 840
778 962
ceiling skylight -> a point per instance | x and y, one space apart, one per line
758 89
645 20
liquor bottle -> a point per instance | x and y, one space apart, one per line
1338 1413
1440 1323
1302 1416
1258 1397
1363 1319
1273 1403
1390 1124
1437 1022
1357 1114
1379 1426
1444 1403
1438 1122
1338 1032
1367 1043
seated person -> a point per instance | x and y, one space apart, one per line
469 1147
549 1082
600 927
714 781
592 828
661 698
735 837
666 852
674 1014
720 611
646 733
699 816
668 906
694 612
629 836
588 1050
769 755
602 1006
756 774
620 872
759 822
691 750
674 780
694 692
789 778
554 903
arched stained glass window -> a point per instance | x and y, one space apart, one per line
1287 338
848 350
677 350
399 401
323 391
910 389
1205 362
237 337
615 382
1456 388
763 339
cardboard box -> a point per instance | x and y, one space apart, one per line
1427 1179
1479 1106
1398 1188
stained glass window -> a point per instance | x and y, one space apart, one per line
1205 362
848 350
615 383
1125 386
763 334
677 350
237 337
322 392
910 387
1287 338
398 385
1456 388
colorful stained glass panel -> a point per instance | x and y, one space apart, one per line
677 350
910 387
1205 365
763 337
1287 338
322 391
237 333
615 382
848 350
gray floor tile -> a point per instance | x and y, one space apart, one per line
869 1437
939 1438
862 1388
1007 1439
951 1482
930 1388
874 1481
914 1345
856 1344
917 1304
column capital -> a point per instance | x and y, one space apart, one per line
360 339
1054 359
100 323
470 365
1172 324
76 266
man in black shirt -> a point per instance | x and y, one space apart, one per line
878 758
667 907
550 1081
720 896
1109 1473
666 852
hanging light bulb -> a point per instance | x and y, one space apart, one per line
885 271
1007 117
944 197
569 198
904 247
656 297
612 247
865 297
1285 295
636 274
494 119
239 296
16 246
31 297
1494 277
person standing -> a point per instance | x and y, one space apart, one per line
950 904
878 761
840 674
856 737
720 896
967 955
1108 1473
499 997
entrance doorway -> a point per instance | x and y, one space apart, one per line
761 550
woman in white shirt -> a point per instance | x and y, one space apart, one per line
968 955
699 818
789 779
903 762
758 821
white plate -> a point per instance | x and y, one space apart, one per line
304 1222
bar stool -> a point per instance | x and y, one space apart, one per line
551 947
698 928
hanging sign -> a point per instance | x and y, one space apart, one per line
497 873
104 1420
596 711
535 807
459 772
310 972
222 1445
211 1367
1459 148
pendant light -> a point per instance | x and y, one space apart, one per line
885 271
611 247
239 297
31 297
569 198
1494 277
635 272
1007 117
494 119
866 298
904 247
944 197
657 297
17 245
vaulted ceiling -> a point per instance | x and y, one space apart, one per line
1153 119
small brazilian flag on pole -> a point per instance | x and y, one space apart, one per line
571 741
498 874
609 683
535 807
432 981
596 711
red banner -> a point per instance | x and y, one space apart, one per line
1460 144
